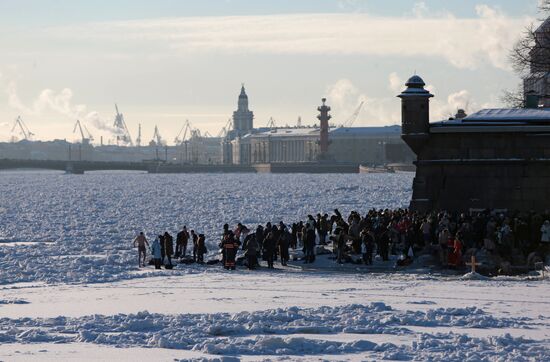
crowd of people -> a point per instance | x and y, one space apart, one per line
359 238
162 248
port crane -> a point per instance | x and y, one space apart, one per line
84 133
24 130
354 116
138 139
271 123
225 129
120 125
157 139
196 133
185 129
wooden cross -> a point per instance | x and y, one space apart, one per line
473 263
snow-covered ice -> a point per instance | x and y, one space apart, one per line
84 224
70 287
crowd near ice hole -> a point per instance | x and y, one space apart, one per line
493 241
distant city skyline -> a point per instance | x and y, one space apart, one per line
167 61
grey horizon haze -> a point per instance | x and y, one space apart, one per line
166 61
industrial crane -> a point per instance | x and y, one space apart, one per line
138 139
88 133
353 117
271 123
24 130
157 139
120 124
225 129
185 129
86 138
196 134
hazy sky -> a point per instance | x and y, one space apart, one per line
165 61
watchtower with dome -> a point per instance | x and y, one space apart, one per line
491 159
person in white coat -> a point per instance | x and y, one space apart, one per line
155 250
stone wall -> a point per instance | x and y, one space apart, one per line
459 171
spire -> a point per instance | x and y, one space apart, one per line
243 99
242 117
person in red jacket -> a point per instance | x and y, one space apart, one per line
230 246
455 251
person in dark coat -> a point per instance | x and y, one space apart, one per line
230 246
309 242
181 242
267 230
224 236
384 245
248 237
168 247
252 251
323 229
300 232
294 237
367 245
195 239
201 248
259 235
162 248
283 243
276 233
269 249
340 238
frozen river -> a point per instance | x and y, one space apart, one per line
52 206
88 221
70 287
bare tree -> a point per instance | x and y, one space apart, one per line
513 98
530 56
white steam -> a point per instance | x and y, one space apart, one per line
61 103
344 98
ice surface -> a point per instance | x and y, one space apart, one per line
271 332
79 228
69 279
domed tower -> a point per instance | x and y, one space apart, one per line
243 117
415 113
243 100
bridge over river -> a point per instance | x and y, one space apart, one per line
79 167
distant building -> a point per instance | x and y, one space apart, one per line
202 151
495 158
246 145
284 145
243 124
243 118
536 85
